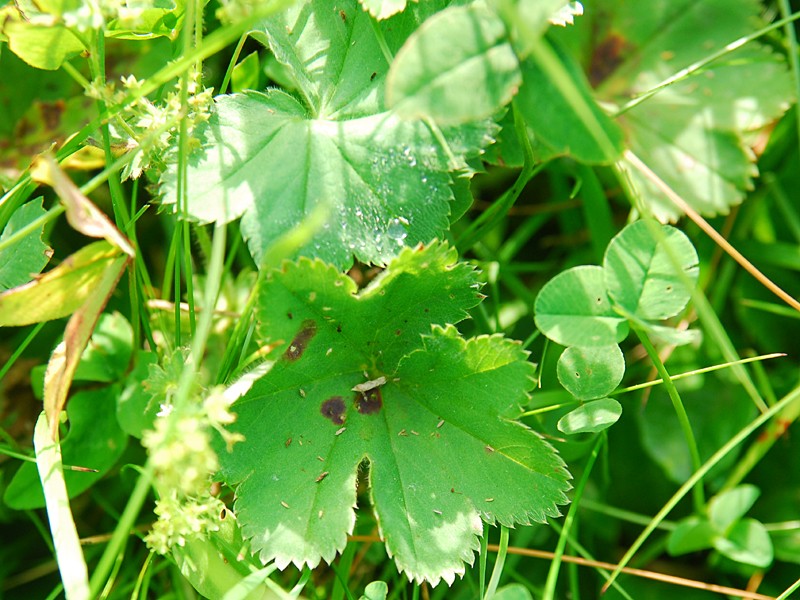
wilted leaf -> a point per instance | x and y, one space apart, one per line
66 543
82 214
61 291
363 376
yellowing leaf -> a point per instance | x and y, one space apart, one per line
62 290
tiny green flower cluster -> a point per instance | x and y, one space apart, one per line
149 130
183 462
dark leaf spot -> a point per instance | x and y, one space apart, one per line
339 328
397 332
290 315
372 77
333 409
300 342
369 402
607 56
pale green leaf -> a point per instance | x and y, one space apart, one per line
591 372
461 43
108 354
592 417
272 159
26 258
690 133
377 590
41 46
649 268
362 375
573 309
730 506
748 542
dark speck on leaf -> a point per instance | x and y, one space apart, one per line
339 328
300 342
333 409
290 315
369 402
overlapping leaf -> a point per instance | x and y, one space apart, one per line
20 262
363 376
690 133
271 158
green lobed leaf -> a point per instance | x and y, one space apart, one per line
573 309
94 441
592 417
362 376
690 133
29 255
640 271
591 372
461 43
730 506
272 159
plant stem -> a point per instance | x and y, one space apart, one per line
788 400
555 564
126 524
697 493
499 562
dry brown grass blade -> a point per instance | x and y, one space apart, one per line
672 579
634 161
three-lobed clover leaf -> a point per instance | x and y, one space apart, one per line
271 158
647 274
380 376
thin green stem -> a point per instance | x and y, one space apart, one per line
680 411
499 562
697 476
700 64
121 533
555 564
654 382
